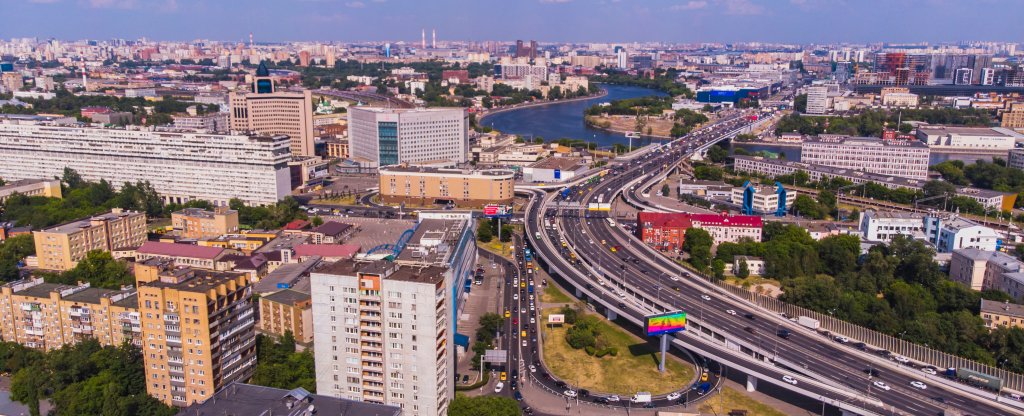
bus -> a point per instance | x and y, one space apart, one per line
611 222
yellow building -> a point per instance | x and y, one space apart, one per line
31 187
996 314
199 223
287 310
240 242
465 188
265 110
48 315
198 330
62 246
1013 118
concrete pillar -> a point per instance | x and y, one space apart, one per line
751 383
579 293
610 314
845 412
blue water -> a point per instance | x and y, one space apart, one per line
793 153
565 120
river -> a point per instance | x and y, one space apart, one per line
565 120
793 153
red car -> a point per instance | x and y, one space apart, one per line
515 321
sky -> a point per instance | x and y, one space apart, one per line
784 21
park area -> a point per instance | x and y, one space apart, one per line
632 368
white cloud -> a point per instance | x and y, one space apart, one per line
355 4
742 7
690 5
43 1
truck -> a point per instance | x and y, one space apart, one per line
641 397
808 322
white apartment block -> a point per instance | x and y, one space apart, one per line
382 334
883 226
817 99
390 136
949 233
181 165
904 158
765 199
900 99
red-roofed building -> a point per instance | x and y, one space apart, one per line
666 231
329 252
186 255
296 225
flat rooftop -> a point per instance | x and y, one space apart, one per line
202 213
240 399
405 273
432 242
964 131
864 141
448 171
560 163
200 282
74 226
1002 308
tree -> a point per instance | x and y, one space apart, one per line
484 234
744 270
718 268
506 233
838 254
99 269
463 405
717 154
800 103
12 250
937 188
279 365
697 243
316 221
665 190
71 178
27 387
806 206
905 128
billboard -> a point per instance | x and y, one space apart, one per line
665 323
494 211
556 318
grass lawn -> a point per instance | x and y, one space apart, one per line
552 294
634 369
495 246
158 223
347 200
731 400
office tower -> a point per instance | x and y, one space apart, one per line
181 166
304 58
389 136
433 38
381 334
61 247
524 51
423 39
817 99
48 315
198 330
267 111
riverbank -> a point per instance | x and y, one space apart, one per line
623 132
603 93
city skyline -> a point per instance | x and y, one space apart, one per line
782 21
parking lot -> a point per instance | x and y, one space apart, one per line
373 231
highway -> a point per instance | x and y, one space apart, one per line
639 277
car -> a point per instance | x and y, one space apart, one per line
569 393
789 379
673 395
783 333
842 339
613 399
929 370
918 384
674 278
532 319
527 410
730 312
507 313
601 400
518 396
533 368
901 359
861 346
525 344
515 296
560 384
882 385
515 374
705 297
749 329
873 372
583 392
503 377
515 321
749 316
533 307
498 387
465 379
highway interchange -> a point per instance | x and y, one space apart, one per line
634 277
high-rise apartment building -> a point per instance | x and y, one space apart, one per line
905 158
61 247
526 51
199 223
48 315
198 329
382 334
389 136
265 110
181 165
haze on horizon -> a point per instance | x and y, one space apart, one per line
778 21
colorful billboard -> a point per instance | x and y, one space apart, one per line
665 323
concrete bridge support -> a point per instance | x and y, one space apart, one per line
579 293
610 314
751 383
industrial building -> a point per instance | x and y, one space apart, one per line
980 138
554 169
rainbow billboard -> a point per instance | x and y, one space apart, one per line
665 323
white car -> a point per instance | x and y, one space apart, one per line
901 359
789 380
673 396
524 343
919 384
533 320
842 339
882 385
515 296
533 368
730 312
613 399
705 297
532 307
674 278
498 387
929 370
569 393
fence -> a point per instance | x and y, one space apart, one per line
916 352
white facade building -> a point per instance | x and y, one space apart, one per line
883 226
987 138
389 136
905 158
181 165
382 334
949 233
817 99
